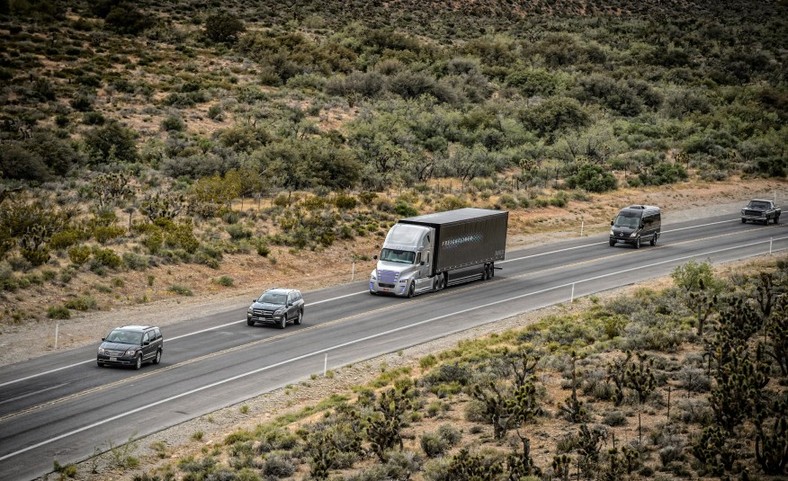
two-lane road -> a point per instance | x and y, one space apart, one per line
63 407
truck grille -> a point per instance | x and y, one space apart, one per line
388 277
753 213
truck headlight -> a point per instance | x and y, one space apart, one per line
373 276
612 234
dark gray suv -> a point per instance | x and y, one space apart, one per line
131 346
277 306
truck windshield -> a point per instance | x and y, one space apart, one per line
395 255
758 205
623 220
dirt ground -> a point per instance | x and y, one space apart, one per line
20 341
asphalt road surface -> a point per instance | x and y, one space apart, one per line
64 407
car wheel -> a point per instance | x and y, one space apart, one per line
100 364
249 322
777 220
299 318
157 359
138 362
612 243
654 240
412 289
744 221
637 243
283 322
492 270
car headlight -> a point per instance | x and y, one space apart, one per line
279 311
131 352
634 234
249 311
101 351
612 234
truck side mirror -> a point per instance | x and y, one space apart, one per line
421 263
612 222
375 257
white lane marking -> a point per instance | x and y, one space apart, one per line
32 393
558 251
567 249
360 340
32 376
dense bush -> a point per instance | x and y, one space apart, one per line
223 27
592 178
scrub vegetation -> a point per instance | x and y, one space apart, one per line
142 135
628 388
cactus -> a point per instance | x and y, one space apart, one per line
771 442
640 378
507 409
162 206
561 466
574 409
383 428
520 465
589 444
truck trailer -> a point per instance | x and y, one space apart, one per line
429 252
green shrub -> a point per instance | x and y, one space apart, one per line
180 290
223 27
65 238
78 255
134 261
173 123
238 232
58 312
106 258
345 202
225 281
104 234
263 249
81 303
593 178
433 445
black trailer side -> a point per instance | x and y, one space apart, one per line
465 237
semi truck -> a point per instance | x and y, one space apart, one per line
429 252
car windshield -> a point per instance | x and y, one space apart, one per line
273 298
759 205
125 337
396 255
623 220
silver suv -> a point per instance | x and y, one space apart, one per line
131 346
277 306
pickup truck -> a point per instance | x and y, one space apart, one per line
760 210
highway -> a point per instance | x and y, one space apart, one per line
63 407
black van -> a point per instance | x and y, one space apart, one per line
636 224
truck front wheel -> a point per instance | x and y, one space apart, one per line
777 219
411 289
